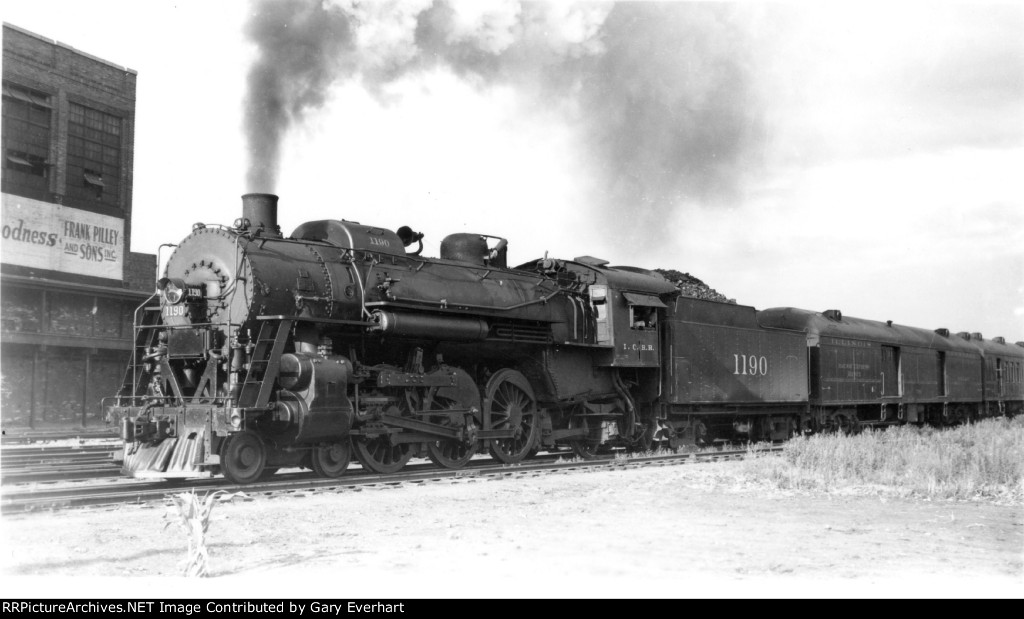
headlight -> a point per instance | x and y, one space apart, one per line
173 290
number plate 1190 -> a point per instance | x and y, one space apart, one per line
173 311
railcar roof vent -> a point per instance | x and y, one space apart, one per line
977 336
942 331
964 335
999 340
833 314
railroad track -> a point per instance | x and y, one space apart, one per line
33 437
26 464
136 491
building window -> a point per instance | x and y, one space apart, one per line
94 156
21 310
26 163
26 141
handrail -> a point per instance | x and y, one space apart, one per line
445 304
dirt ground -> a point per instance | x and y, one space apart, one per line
675 531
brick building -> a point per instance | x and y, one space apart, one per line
69 284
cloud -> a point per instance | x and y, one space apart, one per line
864 81
924 239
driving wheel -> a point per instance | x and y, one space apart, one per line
511 405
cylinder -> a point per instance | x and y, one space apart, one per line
296 370
434 327
261 211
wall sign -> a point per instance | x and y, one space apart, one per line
42 235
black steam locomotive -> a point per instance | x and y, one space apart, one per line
261 351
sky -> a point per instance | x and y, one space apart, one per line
860 156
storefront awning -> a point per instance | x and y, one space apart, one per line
46 283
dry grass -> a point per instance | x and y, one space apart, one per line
982 460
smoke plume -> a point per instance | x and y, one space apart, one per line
669 109
661 93
303 48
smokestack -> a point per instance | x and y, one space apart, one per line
261 211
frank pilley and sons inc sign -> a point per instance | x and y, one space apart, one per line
42 235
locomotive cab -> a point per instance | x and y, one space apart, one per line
626 307
628 323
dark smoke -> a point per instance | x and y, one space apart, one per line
662 92
669 109
303 48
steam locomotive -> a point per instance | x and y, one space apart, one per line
260 351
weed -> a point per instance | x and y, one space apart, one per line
193 518
985 459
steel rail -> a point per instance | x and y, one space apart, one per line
39 451
138 491
19 465
29 476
